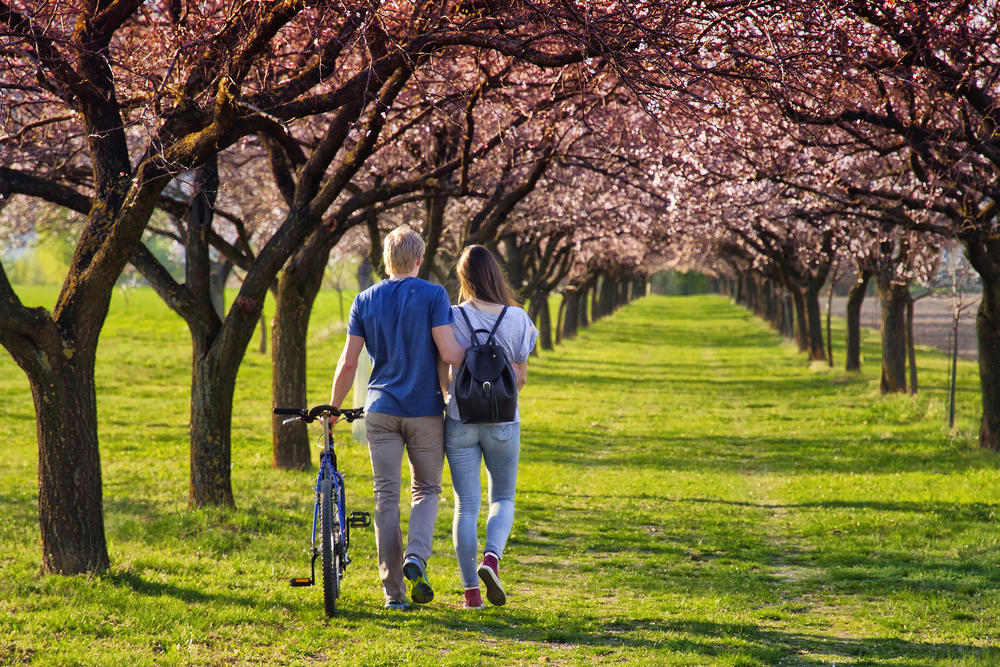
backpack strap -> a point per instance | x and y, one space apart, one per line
497 325
472 329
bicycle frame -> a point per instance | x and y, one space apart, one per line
328 470
331 531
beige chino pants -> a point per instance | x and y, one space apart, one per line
422 439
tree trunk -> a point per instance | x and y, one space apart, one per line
983 256
212 385
544 321
559 318
767 311
595 295
750 291
434 209
70 505
855 299
783 318
911 348
298 287
289 328
801 327
623 294
571 319
638 287
988 335
587 287
892 299
814 317
262 348
219 277
609 296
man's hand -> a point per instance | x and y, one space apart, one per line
521 371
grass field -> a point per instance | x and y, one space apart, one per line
692 492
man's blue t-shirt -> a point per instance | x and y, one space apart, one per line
395 317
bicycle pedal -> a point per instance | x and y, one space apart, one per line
301 582
359 520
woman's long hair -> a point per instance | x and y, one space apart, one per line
480 277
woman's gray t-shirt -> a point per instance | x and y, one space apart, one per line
516 334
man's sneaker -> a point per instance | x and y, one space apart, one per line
489 572
473 598
397 604
414 569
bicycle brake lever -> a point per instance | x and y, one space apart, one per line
289 420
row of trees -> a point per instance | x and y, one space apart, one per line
853 136
257 134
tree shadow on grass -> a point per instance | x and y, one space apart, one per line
154 589
701 638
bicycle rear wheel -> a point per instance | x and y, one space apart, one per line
330 538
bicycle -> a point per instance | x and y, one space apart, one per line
330 512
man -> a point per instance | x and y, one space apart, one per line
405 322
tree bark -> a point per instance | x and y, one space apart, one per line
911 348
571 319
70 505
590 285
212 385
855 299
609 296
595 298
892 299
544 321
289 328
801 326
298 287
559 318
638 287
981 256
814 316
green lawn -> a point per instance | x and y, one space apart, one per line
692 491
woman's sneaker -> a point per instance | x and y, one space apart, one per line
489 572
415 570
473 598
397 604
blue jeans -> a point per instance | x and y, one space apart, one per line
465 445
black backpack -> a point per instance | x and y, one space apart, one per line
486 386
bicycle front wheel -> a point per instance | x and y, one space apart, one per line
330 529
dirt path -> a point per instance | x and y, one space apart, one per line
931 322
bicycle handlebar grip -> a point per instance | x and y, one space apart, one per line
352 414
288 411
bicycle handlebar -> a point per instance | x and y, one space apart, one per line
310 415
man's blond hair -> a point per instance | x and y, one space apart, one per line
403 247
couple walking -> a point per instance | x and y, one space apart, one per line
415 338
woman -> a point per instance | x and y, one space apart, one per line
483 294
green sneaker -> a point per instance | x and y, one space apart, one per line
415 570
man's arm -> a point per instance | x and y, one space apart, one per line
444 376
449 348
348 364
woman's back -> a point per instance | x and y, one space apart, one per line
516 335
